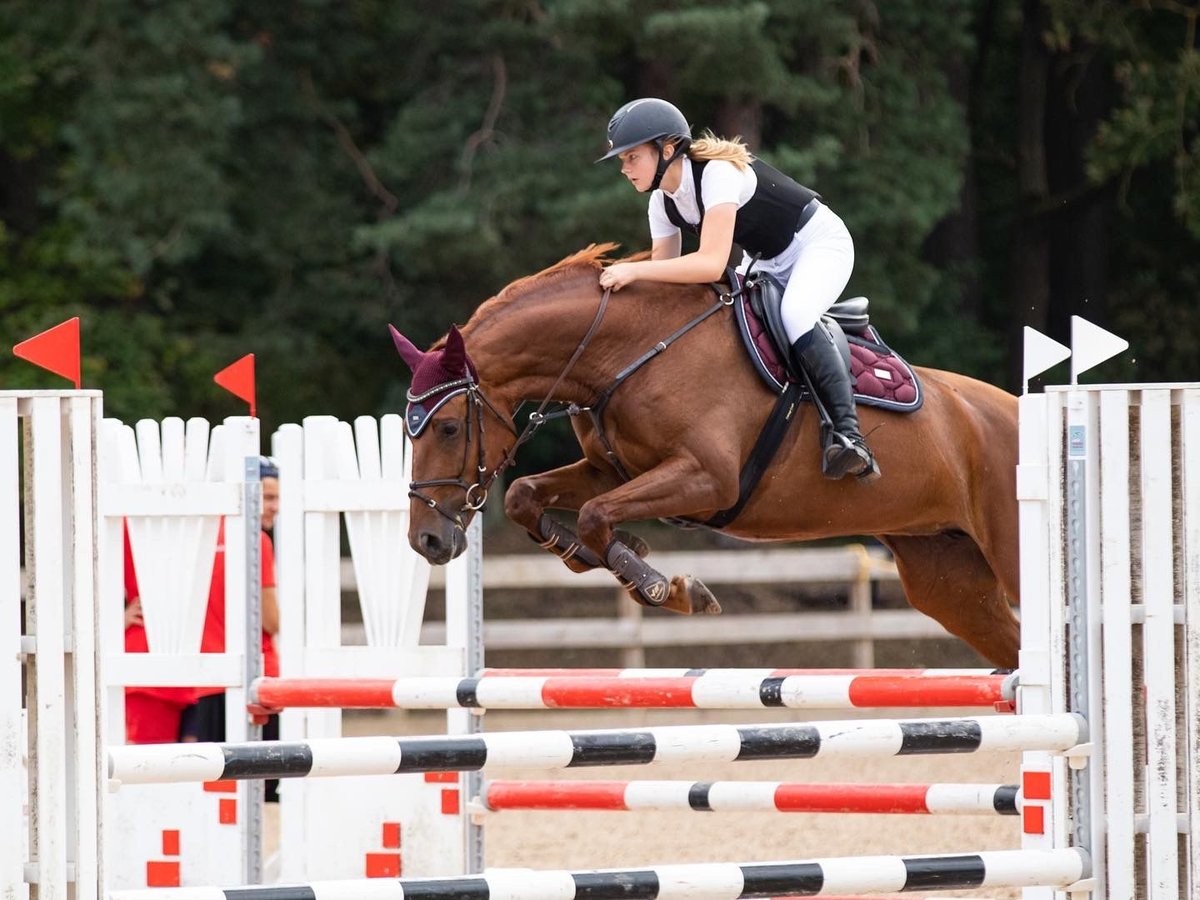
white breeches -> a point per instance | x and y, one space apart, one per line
814 268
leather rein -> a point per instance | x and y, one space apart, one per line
476 491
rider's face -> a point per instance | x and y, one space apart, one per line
639 165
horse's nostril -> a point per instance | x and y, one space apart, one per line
431 544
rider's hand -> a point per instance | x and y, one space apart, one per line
618 275
133 613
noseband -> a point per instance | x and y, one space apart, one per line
475 492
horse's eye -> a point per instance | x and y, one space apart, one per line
449 429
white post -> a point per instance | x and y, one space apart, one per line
12 739
1039 492
1085 661
86 709
252 663
46 564
1117 622
1158 632
464 628
1189 429
58 646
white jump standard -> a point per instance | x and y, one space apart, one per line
163 763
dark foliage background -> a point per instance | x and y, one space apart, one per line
205 178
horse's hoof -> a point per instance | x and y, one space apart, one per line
690 597
633 542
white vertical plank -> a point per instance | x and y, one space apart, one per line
1158 589
47 561
322 565
1115 589
1091 619
322 629
149 443
195 449
1059 826
116 465
12 772
242 441
87 709
1190 524
1036 694
413 569
287 446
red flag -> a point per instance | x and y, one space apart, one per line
238 379
55 349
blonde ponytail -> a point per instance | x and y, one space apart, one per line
709 146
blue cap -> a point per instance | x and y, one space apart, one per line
267 467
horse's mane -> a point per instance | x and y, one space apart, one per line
591 258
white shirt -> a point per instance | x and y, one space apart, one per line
723 182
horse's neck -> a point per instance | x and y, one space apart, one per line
523 348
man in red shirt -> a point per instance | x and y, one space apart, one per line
151 713
204 720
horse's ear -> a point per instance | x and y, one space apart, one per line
407 349
454 357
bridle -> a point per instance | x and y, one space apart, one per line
475 492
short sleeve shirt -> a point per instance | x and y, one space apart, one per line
214 618
723 182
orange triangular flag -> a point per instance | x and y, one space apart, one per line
55 349
238 379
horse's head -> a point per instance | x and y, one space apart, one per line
457 452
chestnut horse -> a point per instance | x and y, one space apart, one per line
669 439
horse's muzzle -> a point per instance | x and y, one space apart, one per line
438 546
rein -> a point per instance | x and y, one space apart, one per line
596 409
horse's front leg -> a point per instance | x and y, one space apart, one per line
679 487
568 487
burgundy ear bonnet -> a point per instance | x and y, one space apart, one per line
437 376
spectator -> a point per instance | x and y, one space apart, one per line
152 714
204 720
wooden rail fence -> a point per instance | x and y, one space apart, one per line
631 630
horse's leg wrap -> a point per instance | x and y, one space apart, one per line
562 542
650 588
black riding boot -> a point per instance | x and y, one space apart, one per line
844 451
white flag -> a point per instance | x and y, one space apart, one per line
1091 345
1041 353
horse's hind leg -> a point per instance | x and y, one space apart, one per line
946 577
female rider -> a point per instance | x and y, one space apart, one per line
714 187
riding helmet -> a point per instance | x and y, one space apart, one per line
644 121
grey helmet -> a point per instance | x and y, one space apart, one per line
648 121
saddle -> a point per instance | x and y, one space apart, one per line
880 376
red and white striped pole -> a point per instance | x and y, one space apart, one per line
715 689
749 796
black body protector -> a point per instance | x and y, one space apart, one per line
765 225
